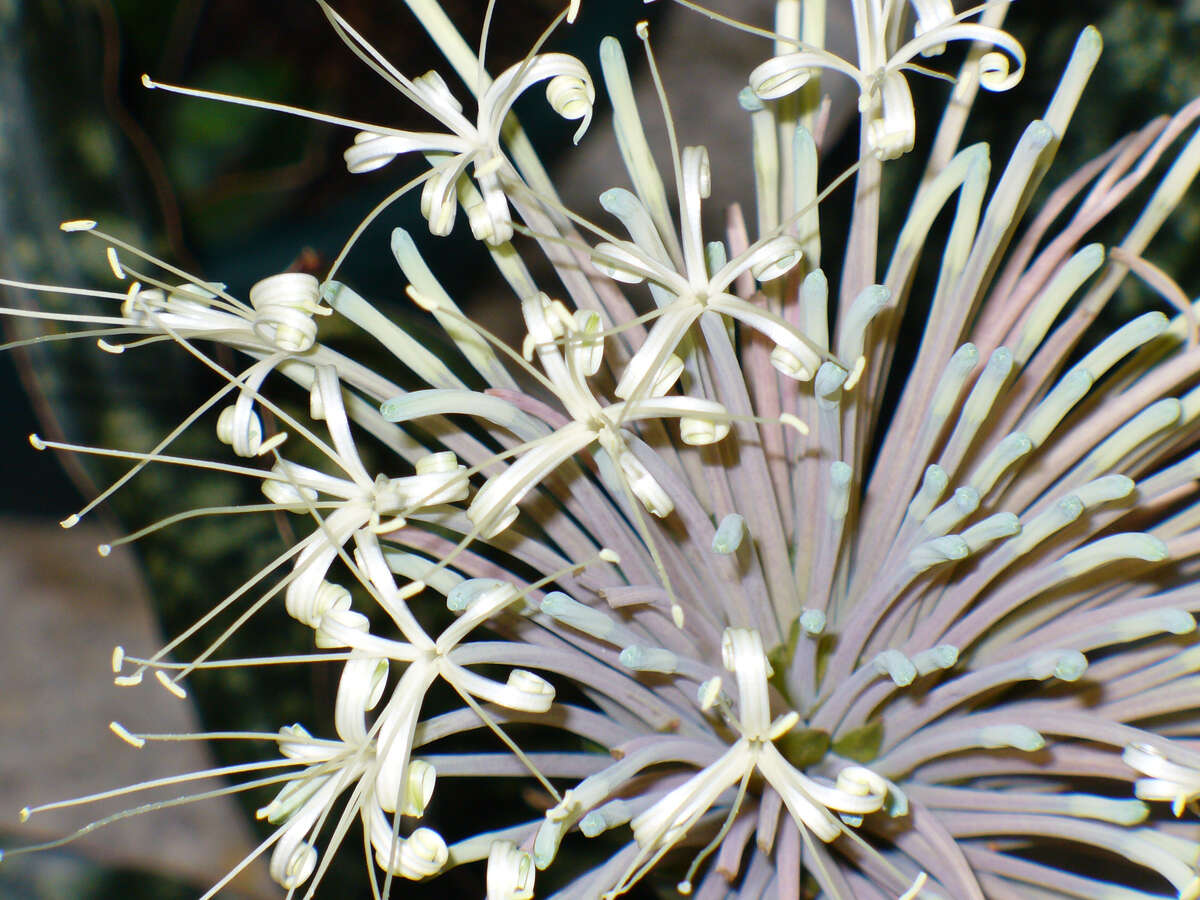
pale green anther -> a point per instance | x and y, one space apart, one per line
935 659
947 548
715 256
814 308
1123 341
610 815
1130 545
838 500
1134 434
812 622
1019 737
865 307
827 386
1046 523
786 82
804 183
636 219
1158 621
472 590
1054 296
748 100
399 342
1067 665
962 363
729 534
996 463
993 528
1061 400
1074 79
1104 490
1071 666
649 659
1105 809
947 516
966 499
896 666
895 804
933 485
987 388
579 616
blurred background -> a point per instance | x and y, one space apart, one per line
234 195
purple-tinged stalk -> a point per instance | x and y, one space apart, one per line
945 645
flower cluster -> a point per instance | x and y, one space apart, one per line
951 629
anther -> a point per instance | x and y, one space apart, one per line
124 734
172 687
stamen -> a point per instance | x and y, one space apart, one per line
150 84
650 659
172 687
131 739
729 534
115 264
685 887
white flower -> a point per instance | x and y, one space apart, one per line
467 145
885 103
567 369
857 791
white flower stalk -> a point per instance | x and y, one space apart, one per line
960 621
885 102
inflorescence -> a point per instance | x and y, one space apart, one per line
794 644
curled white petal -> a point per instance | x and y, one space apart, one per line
420 855
418 787
510 872
291 866
372 150
570 92
284 306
